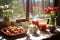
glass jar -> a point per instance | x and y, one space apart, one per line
33 28
42 24
52 24
13 22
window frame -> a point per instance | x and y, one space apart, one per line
28 9
27 13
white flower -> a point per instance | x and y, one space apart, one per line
6 6
7 11
1 7
4 11
12 11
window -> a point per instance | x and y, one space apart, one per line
23 9
37 7
18 7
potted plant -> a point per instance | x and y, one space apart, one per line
52 13
6 14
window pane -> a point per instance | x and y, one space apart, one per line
37 7
48 3
18 7
51 3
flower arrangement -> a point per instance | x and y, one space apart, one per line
52 13
5 10
6 13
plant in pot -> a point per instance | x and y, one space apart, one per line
6 12
52 13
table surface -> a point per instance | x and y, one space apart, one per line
29 36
